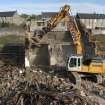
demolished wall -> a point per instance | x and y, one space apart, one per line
56 48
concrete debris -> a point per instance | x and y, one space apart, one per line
40 87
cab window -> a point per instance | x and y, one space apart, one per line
78 61
73 62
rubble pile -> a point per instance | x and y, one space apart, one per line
38 87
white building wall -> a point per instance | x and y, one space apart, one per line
8 19
0 20
97 25
18 19
93 23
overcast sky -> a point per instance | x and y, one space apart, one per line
38 6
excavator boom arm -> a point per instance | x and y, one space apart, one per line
52 23
76 35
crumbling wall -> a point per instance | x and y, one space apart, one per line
56 54
58 46
40 56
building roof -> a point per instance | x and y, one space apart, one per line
48 14
90 16
7 13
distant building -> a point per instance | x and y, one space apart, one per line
46 16
95 22
11 17
37 24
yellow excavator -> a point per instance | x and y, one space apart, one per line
79 64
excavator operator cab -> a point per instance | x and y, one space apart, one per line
74 63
